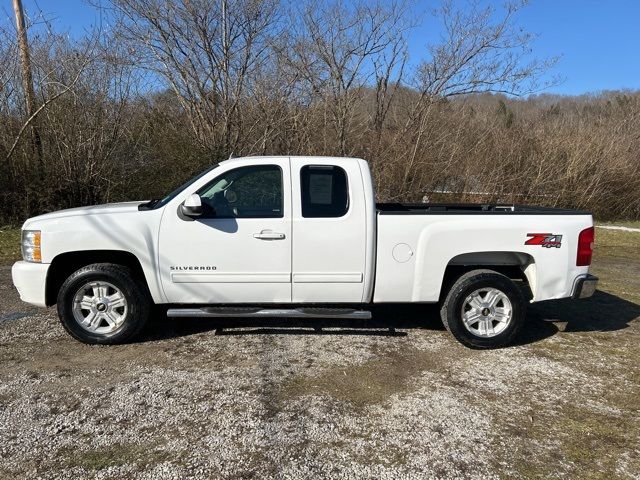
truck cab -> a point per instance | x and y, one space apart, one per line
271 230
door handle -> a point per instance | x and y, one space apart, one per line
268 235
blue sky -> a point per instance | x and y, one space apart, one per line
598 40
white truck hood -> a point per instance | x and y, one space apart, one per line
123 207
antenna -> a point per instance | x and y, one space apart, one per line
230 156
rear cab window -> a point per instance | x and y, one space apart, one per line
324 191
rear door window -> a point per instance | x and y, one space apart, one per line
324 190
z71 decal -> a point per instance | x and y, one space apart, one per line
546 240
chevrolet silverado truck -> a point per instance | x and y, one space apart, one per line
295 237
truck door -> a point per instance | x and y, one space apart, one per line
239 250
329 231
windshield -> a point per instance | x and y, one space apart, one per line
174 193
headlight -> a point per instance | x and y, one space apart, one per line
31 246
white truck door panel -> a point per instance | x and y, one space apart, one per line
242 252
329 231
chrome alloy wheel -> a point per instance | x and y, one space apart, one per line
486 312
100 307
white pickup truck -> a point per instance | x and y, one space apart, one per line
293 237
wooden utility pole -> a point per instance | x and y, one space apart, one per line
27 78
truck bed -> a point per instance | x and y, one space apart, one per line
470 209
417 243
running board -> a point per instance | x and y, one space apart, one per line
248 312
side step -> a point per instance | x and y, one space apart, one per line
247 312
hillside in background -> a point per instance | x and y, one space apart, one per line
131 111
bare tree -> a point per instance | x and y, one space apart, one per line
389 68
207 52
337 48
481 50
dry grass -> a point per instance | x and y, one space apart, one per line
9 244
374 382
617 263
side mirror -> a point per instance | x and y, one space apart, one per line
192 206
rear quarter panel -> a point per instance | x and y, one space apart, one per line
435 240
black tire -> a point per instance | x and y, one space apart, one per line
135 293
452 308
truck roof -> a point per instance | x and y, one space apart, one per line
269 157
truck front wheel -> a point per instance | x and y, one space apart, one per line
103 303
484 309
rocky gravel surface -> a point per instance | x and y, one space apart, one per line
395 397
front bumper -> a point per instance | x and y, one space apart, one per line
584 286
31 279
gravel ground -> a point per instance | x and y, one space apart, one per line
393 398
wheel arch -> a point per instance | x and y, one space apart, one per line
66 263
514 265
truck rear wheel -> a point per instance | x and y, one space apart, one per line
483 309
103 303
